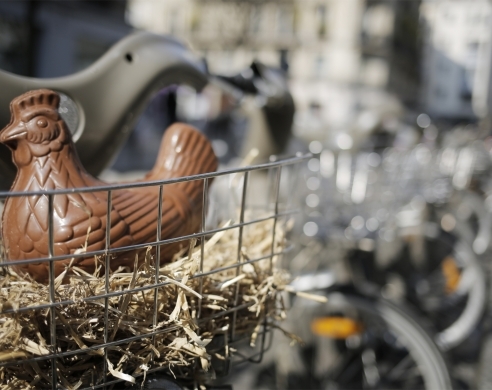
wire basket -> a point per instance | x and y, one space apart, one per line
250 197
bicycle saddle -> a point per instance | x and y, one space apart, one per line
102 102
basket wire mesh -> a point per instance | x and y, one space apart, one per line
279 202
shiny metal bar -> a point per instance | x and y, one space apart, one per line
272 251
121 186
138 289
52 294
275 220
239 246
107 267
202 243
269 189
157 262
262 342
111 344
145 245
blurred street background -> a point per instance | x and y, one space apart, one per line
393 98
354 67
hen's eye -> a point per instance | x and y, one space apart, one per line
42 122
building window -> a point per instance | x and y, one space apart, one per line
378 21
14 46
255 20
227 60
443 65
195 18
315 109
467 84
468 73
447 14
173 21
472 54
474 18
440 93
285 21
321 21
284 60
375 71
319 65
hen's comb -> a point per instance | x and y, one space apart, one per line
35 100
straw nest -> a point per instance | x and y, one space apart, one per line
181 345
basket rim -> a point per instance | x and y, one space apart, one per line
274 162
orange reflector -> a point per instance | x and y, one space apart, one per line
451 273
336 327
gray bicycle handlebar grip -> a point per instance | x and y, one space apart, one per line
108 96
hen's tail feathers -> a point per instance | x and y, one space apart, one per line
184 151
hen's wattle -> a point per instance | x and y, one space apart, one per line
46 159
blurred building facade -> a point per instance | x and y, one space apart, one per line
56 38
457 53
343 57
340 55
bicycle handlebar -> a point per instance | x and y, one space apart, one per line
108 96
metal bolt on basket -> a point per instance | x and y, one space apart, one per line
105 284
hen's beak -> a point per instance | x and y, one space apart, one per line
12 132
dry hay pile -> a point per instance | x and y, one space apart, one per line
183 340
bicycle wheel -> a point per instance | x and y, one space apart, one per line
472 291
449 288
355 342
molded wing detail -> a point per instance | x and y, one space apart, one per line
46 159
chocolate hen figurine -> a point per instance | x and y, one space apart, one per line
46 159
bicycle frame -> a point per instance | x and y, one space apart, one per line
103 101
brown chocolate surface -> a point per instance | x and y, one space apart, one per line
45 156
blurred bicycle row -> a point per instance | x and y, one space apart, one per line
405 224
395 233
